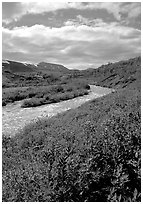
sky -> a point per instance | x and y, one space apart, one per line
78 35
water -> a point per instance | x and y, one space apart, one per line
15 118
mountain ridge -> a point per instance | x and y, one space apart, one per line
15 66
113 75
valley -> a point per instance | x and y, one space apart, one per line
71 102
75 148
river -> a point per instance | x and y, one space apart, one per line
15 118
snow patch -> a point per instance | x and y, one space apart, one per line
6 62
25 64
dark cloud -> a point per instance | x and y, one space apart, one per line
55 14
58 18
10 10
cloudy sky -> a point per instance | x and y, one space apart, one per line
75 34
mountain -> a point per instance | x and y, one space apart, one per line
24 74
115 75
16 67
44 66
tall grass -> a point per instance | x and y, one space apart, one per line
44 94
53 98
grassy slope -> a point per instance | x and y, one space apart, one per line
88 154
18 74
121 74
115 75
10 79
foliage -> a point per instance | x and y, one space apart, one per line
53 98
43 94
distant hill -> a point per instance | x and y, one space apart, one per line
24 74
115 75
17 67
44 66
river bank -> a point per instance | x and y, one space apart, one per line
15 118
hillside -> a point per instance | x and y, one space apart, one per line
50 67
121 74
115 75
23 74
16 67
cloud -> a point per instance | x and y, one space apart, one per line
11 10
132 9
15 10
75 46
110 7
80 20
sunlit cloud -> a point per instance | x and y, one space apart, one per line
74 45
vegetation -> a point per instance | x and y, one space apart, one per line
16 74
53 98
44 94
29 79
114 75
81 155
89 154
121 74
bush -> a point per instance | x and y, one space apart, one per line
52 98
87 87
33 102
60 89
3 103
54 94
16 94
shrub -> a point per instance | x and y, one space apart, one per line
4 103
60 89
53 95
16 94
33 102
